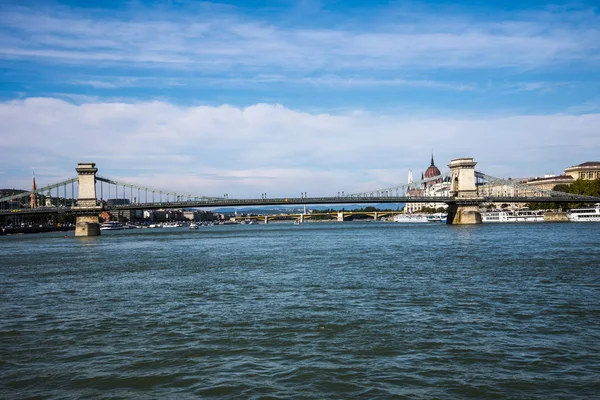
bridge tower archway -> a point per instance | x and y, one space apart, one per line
464 209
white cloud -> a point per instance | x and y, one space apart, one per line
269 148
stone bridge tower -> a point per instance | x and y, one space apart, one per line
464 209
87 209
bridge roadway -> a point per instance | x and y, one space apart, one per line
213 203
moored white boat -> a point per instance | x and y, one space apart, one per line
527 216
495 216
437 217
410 218
193 225
111 226
591 214
524 215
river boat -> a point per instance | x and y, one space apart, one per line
437 217
410 218
523 215
590 214
111 226
193 225
494 216
527 216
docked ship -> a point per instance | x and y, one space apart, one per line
591 214
111 226
437 217
410 218
513 216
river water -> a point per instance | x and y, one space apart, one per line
321 310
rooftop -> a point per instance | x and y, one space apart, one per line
552 178
587 164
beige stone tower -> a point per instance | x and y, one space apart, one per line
464 210
87 208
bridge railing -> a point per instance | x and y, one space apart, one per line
406 188
135 193
41 190
490 186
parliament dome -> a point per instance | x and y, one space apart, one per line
432 170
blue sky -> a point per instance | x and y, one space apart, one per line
244 97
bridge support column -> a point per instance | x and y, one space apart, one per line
301 218
266 219
87 225
463 214
375 216
87 205
340 216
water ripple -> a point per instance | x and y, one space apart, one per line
316 311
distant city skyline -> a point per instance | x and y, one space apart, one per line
247 97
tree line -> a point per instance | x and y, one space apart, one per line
580 187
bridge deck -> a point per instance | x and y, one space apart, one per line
214 203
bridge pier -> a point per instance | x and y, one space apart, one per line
463 214
87 209
340 216
87 225
266 219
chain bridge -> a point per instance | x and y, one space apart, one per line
463 189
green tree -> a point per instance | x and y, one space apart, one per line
561 187
587 188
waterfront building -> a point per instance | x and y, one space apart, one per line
174 215
548 182
124 215
513 187
163 215
434 188
589 170
191 215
